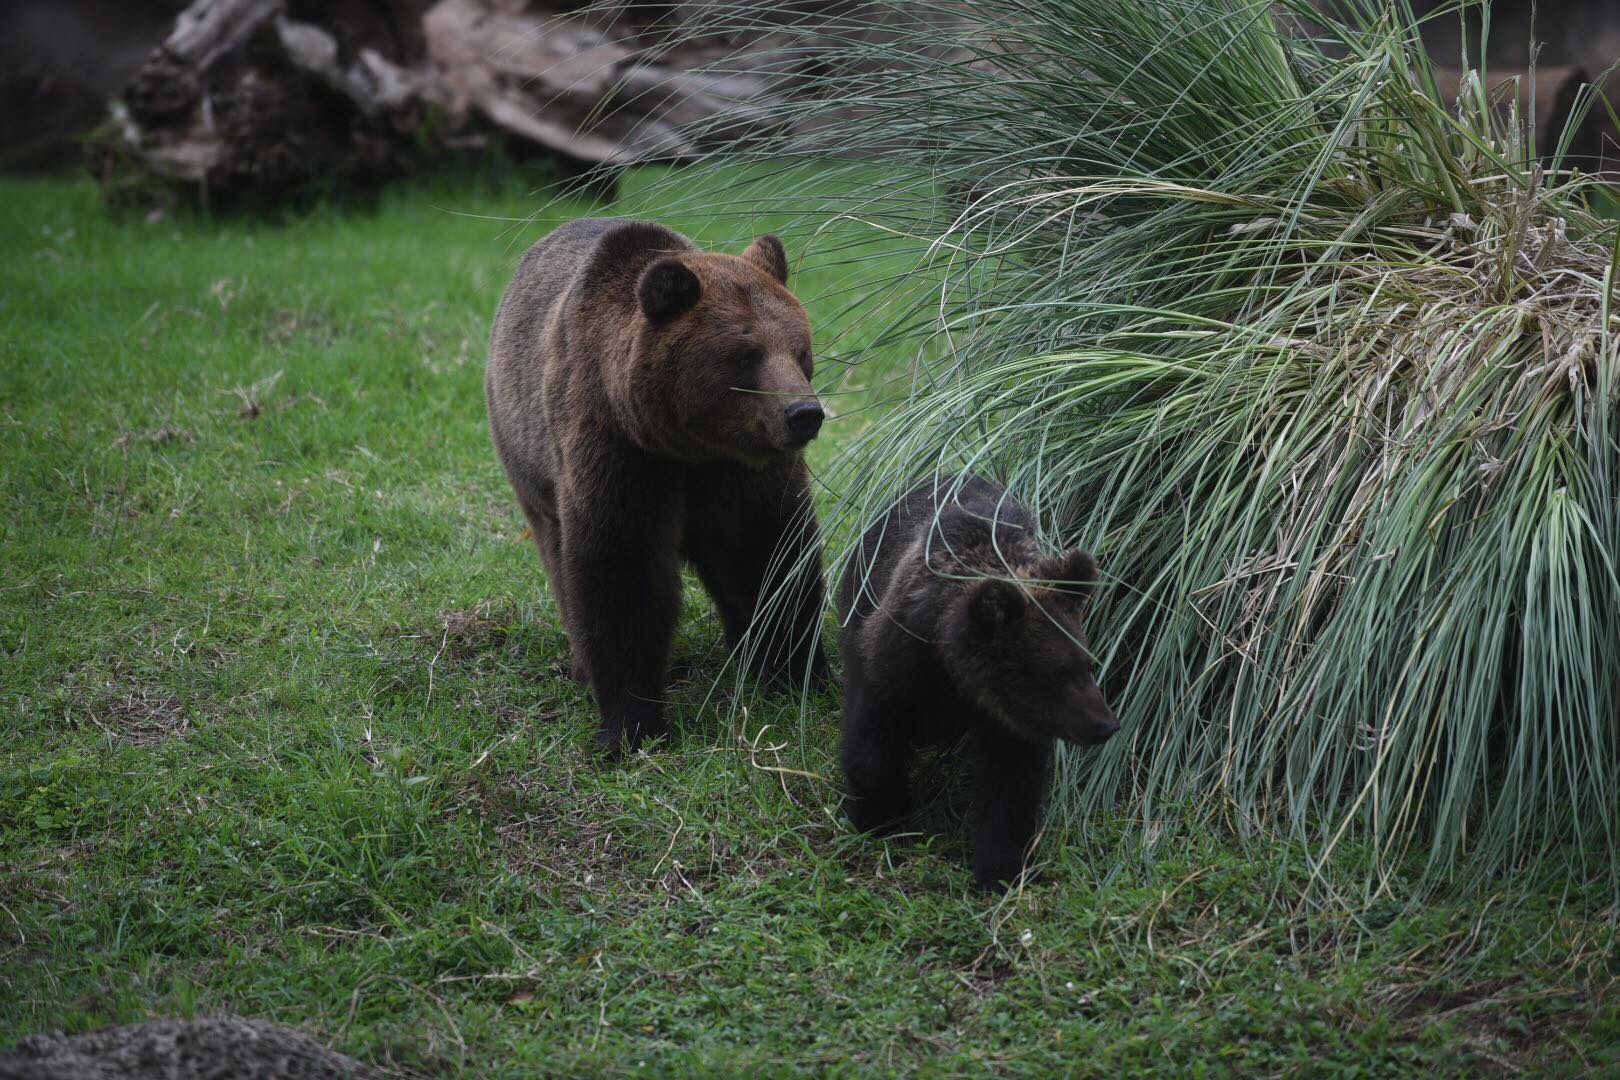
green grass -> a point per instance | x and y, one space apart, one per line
285 736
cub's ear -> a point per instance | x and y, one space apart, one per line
767 253
994 603
1074 569
667 288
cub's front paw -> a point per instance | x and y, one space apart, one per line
614 741
610 743
998 875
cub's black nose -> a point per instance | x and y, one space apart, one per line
804 420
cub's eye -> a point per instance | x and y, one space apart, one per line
747 357
1072 671
804 359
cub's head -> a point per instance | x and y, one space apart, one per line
1018 649
728 347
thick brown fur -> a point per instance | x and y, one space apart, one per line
953 622
650 403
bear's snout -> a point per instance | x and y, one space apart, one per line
803 421
1103 728
1093 722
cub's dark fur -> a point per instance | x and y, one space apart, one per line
954 621
650 403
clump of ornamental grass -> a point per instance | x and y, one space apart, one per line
1321 364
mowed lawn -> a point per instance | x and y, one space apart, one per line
285 735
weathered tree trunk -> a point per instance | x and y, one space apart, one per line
262 94
258 94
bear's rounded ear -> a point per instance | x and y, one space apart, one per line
1074 570
667 288
994 603
767 253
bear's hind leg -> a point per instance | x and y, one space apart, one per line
548 538
874 753
1010 776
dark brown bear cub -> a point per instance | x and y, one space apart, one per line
953 621
650 403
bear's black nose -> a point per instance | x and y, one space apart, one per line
804 420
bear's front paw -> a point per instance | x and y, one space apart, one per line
876 813
574 671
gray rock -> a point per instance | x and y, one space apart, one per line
225 1048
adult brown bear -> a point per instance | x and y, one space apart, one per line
650 403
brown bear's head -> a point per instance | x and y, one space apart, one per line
726 350
1016 646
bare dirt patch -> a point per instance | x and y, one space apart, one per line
472 637
549 827
145 714
129 707
1506 1029
158 436
468 632
287 325
254 400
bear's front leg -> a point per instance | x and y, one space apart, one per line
624 595
755 543
1010 775
874 753
792 592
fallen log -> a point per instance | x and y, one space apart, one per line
260 95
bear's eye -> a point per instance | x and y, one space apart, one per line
804 359
746 357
